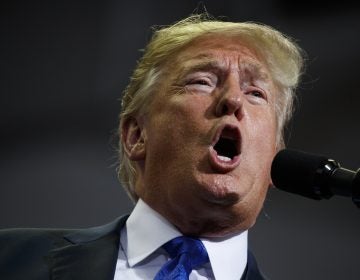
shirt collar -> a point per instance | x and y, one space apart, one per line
146 230
228 256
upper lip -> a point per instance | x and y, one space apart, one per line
228 131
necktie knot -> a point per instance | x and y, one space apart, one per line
186 254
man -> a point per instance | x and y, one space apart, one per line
201 121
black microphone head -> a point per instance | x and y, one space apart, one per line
295 171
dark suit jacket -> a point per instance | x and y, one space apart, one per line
54 254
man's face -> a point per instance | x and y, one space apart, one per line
209 138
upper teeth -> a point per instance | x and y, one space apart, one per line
224 158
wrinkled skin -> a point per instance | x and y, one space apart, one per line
211 82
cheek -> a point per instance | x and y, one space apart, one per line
184 115
262 143
172 128
263 130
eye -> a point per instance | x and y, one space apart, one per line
257 96
257 93
203 82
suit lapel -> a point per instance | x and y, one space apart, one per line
252 271
88 253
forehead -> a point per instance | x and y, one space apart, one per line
224 51
217 43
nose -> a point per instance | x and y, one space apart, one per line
230 103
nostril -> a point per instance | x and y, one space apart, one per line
224 110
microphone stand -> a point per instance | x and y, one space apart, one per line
356 189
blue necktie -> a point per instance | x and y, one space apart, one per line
186 254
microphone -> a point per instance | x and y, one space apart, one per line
314 176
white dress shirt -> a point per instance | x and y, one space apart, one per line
141 256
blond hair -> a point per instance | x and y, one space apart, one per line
281 55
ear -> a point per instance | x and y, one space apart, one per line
133 139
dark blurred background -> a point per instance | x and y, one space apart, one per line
63 66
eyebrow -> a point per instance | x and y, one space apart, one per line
256 69
204 64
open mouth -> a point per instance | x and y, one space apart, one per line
227 146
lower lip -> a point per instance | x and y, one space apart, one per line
221 165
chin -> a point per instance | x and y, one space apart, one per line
221 190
